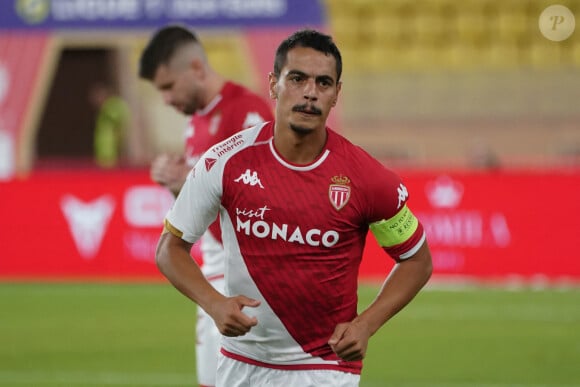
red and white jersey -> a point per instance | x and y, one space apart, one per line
235 108
294 238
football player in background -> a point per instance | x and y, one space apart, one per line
175 62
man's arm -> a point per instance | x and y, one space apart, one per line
350 340
175 262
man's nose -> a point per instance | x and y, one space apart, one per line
310 90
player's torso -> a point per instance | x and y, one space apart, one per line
308 210
301 232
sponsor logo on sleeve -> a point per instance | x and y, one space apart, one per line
228 145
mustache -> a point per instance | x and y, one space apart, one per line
310 109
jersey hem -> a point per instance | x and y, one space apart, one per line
339 366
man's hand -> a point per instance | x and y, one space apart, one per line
350 340
230 319
169 171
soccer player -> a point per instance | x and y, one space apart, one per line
296 201
175 62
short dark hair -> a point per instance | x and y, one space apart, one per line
310 39
162 47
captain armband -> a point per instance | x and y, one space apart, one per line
168 227
396 230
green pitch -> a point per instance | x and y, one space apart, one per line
143 335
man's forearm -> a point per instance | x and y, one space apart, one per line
404 282
177 265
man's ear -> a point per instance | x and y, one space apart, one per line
273 85
197 66
338 87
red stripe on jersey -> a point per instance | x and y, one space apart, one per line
214 277
397 250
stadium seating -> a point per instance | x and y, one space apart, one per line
471 39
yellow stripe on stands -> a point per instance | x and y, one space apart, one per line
172 229
396 230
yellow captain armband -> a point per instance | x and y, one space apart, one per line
396 230
168 227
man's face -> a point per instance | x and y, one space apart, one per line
306 89
179 87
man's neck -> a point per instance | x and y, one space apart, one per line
214 85
299 148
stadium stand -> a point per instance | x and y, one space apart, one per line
424 79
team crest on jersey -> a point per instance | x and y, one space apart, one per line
339 191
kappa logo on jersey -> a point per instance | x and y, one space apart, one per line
403 194
209 163
250 178
87 222
339 191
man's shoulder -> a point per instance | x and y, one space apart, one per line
343 145
357 156
235 89
242 94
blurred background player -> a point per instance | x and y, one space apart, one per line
176 63
111 124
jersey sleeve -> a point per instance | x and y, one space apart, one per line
391 221
198 202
